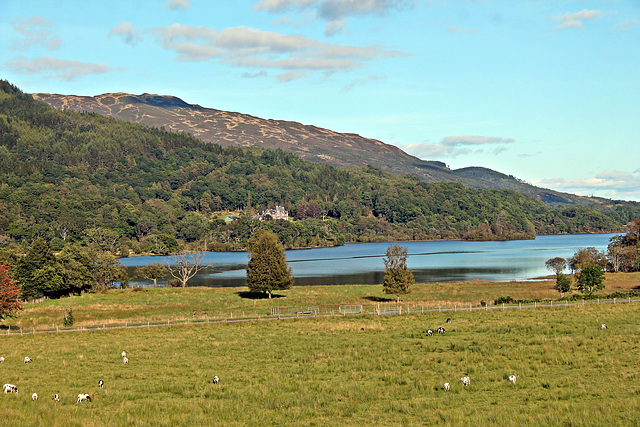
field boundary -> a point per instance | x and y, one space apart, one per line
288 313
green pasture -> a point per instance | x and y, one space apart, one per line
376 370
159 304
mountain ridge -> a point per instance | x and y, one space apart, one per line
309 142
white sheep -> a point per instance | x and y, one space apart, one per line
125 360
465 381
82 397
124 354
27 359
430 333
512 379
56 398
1 359
447 386
604 326
215 379
10 388
100 384
34 397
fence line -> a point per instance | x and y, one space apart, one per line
286 313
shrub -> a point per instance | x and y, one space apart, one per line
68 320
503 299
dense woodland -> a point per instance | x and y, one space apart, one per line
125 188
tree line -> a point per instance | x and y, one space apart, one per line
77 178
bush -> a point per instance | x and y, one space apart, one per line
503 299
68 320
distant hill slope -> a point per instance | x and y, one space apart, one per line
306 141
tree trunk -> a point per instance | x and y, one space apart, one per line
269 294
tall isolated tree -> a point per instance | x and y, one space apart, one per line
185 266
10 299
153 271
267 270
590 279
563 282
397 276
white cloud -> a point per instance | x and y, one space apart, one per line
334 11
615 185
35 31
357 82
452 141
454 29
129 34
574 20
55 68
627 25
177 4
291 75
253 48
455 146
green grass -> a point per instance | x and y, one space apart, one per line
326 371
160 304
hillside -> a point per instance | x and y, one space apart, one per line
308 142
82 177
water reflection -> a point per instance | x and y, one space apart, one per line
432 261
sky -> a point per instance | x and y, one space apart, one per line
547 91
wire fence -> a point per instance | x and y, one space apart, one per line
286 313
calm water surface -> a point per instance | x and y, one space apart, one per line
431 261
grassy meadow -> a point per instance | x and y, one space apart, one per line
329 370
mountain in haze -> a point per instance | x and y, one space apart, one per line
306 141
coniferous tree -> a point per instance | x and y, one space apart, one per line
397 276
267 270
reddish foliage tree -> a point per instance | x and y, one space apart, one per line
10 301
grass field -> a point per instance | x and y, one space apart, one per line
327 371
160 304
381 370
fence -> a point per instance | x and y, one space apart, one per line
281 313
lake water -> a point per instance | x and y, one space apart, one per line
431 261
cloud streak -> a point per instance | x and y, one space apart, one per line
454 146
55 68
334 11
35 31
574 20
256 49
615 185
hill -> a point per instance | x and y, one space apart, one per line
82 177
311 143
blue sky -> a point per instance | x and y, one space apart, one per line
547 91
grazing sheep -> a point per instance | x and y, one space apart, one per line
604 326
430 333
449 320
82 397
34 397
512 379
125 360
1 359
56 398
124 354
215 379
447 386
465 381
27 359
10 388
100 384
441 330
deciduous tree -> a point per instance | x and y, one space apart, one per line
185 266
590 279
397 276
10 300
153 271
267 270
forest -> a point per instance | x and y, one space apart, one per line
124 188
